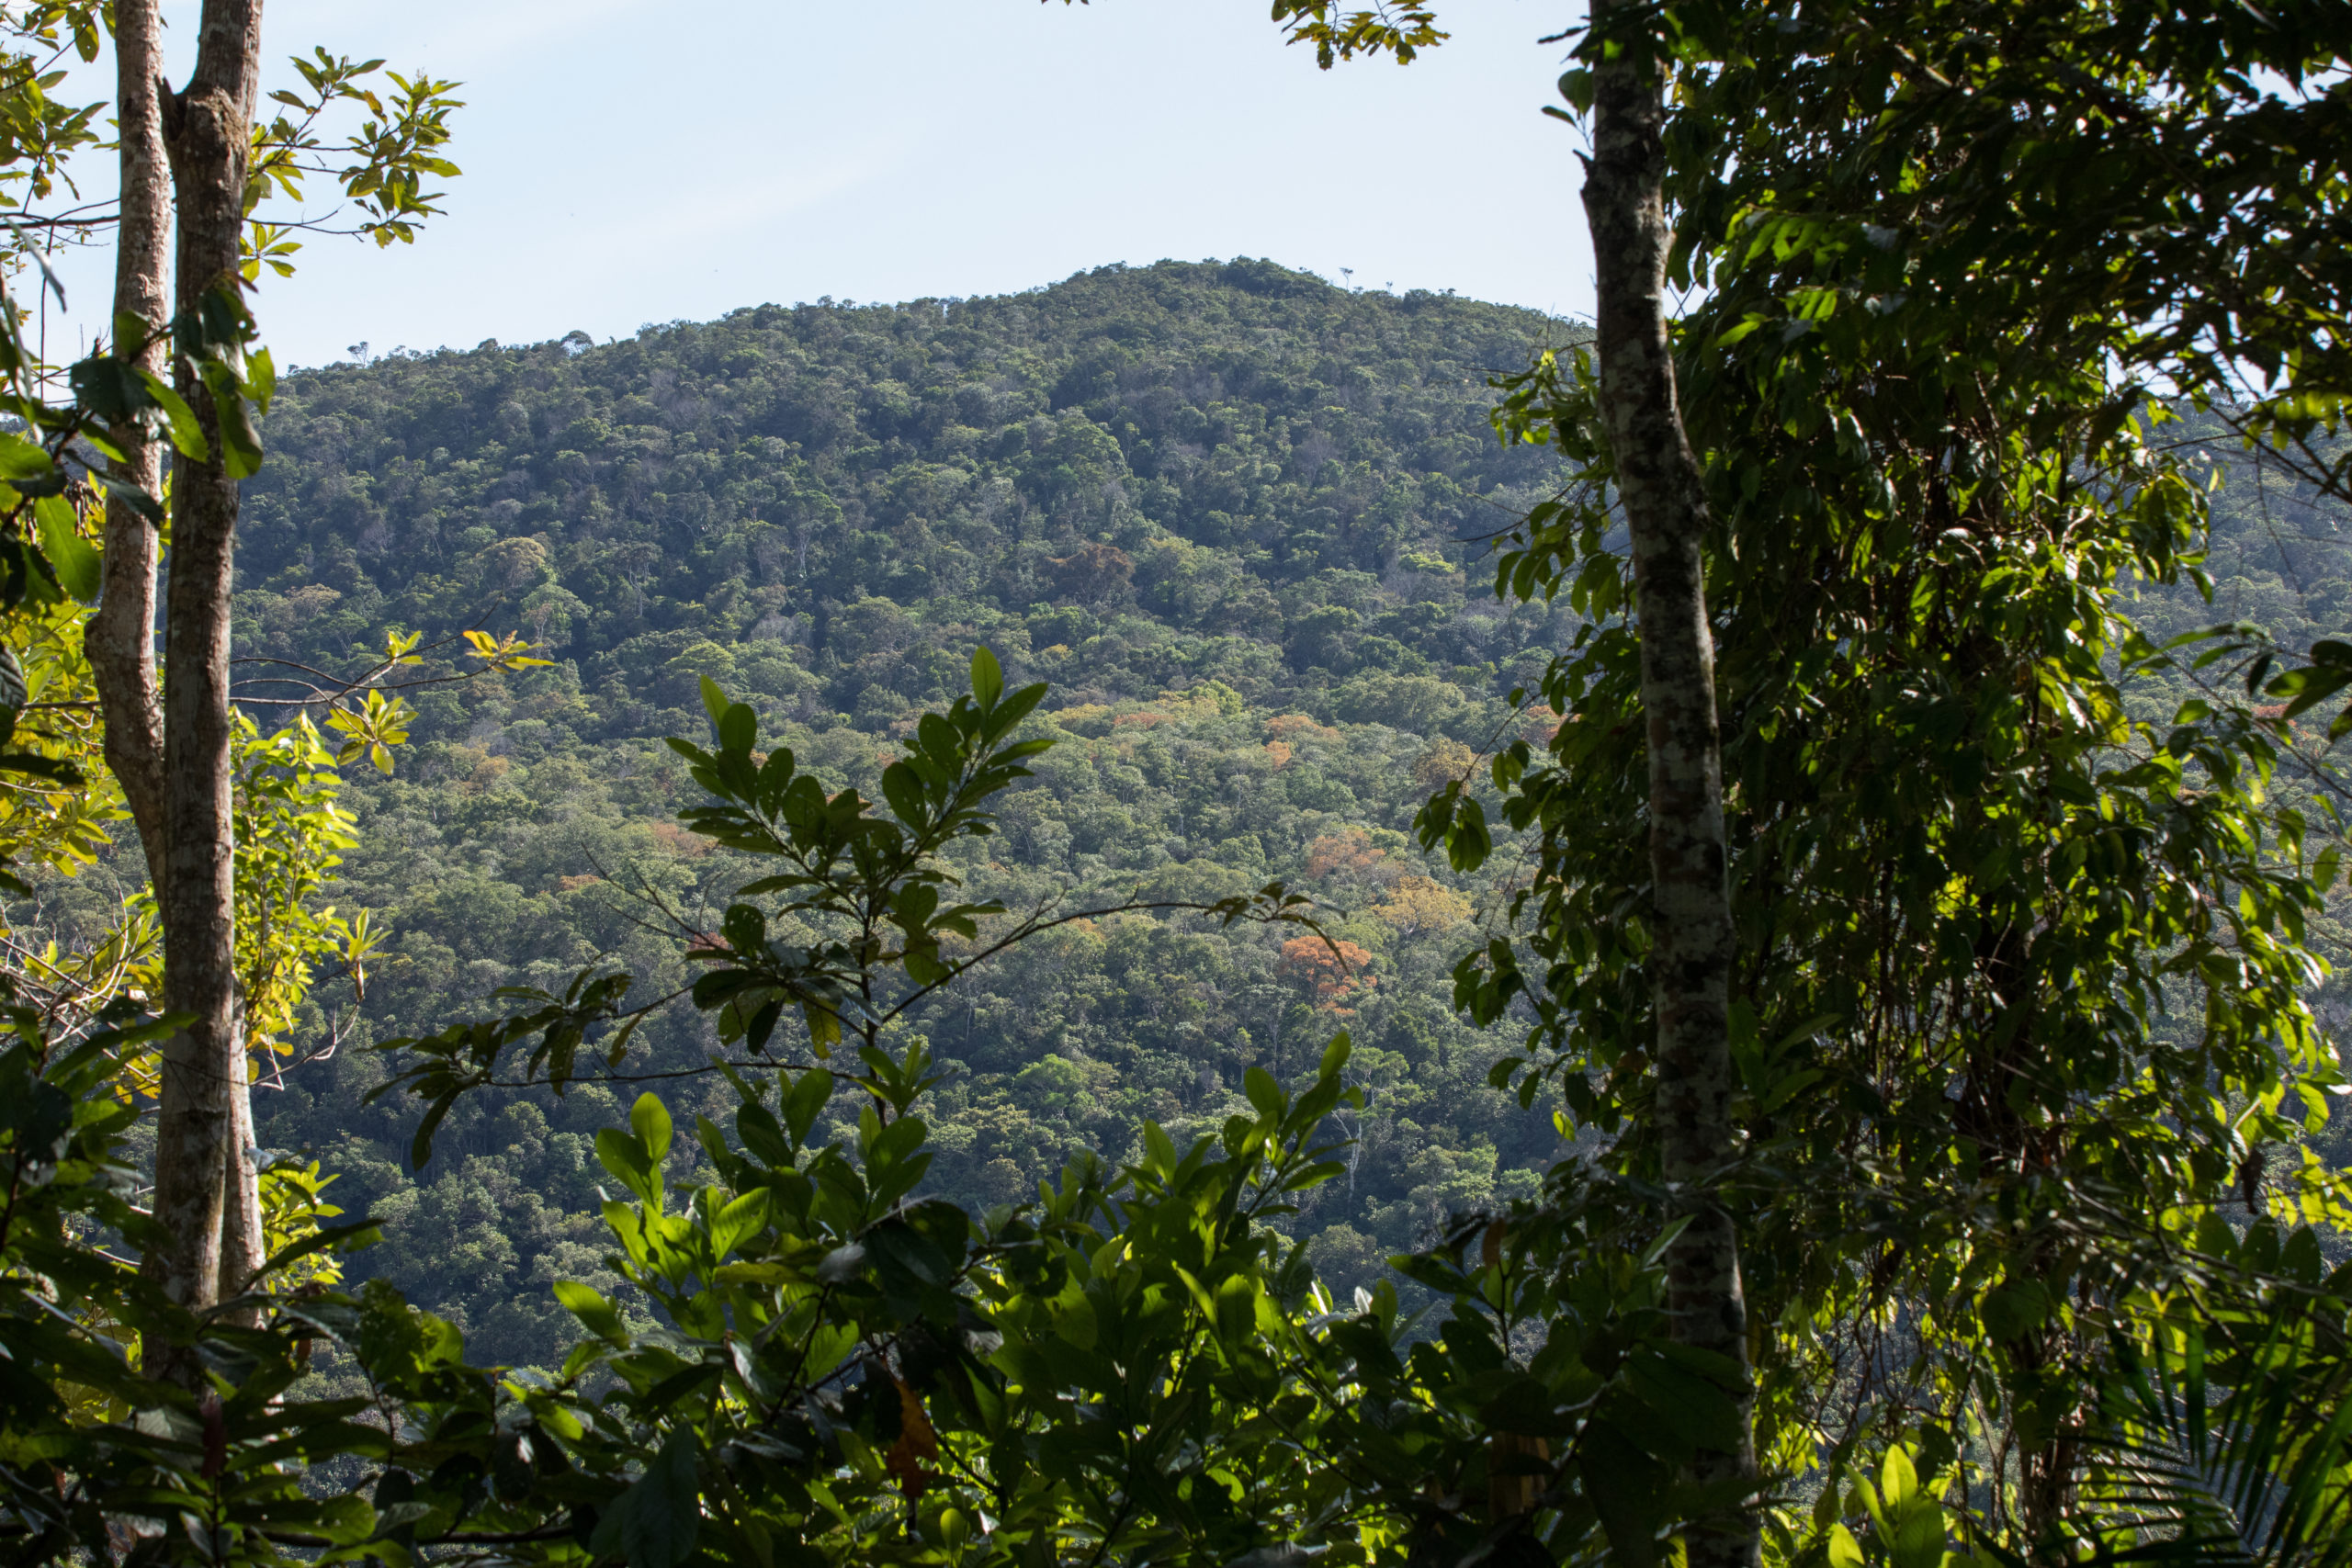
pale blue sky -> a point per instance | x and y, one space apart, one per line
630 162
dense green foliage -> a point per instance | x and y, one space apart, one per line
2029 909
1992 1229
1217 507
1140 1364
1229 707
1232 429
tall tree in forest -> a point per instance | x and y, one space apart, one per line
199 1196
1926 242
199 155
1998 941
1659 485
1955 298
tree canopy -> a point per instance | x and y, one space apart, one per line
1800 1032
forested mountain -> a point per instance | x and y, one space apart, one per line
1233 514
1229 512
966 933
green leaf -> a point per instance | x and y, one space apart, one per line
624 1157
1074 1319
714 700
1335 1056
650 1119
260 378
805 1100
824 1027
326 1239
72 556
241 451
1919 1534
599 1316
739 1220
2012 1311
1237 1310
1626 1487
739 726
1012 710
20 460
904 791
988 678
653 1523
1897 1480
187 431
1265 1094
1468 840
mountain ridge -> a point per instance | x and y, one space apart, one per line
1221 508
1230 512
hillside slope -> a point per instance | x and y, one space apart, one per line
1231 513
1225 510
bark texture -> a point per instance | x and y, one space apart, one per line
203 1179
121 638
1660 484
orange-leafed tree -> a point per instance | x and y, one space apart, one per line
1334 971
1349 851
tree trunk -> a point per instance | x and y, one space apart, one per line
202 1174
120 638
243 1249
1658 483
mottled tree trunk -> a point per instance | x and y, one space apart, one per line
1658 483
203 1182
121 638
243 1249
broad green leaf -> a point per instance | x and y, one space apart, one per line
655 1522
1919 1534
805 1101
599 1316
824 1027
1265 1094
75 559
739 1220
20 460
738 728
1897 1480
650 1119
988 678
1160 1153
624 1157
260 378
241 451
1335 1056
904 791
1074 1319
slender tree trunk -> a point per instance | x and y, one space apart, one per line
121 638
1659 483
237 58
243 1250
202 1174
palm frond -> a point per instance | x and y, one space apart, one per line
2249 1469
